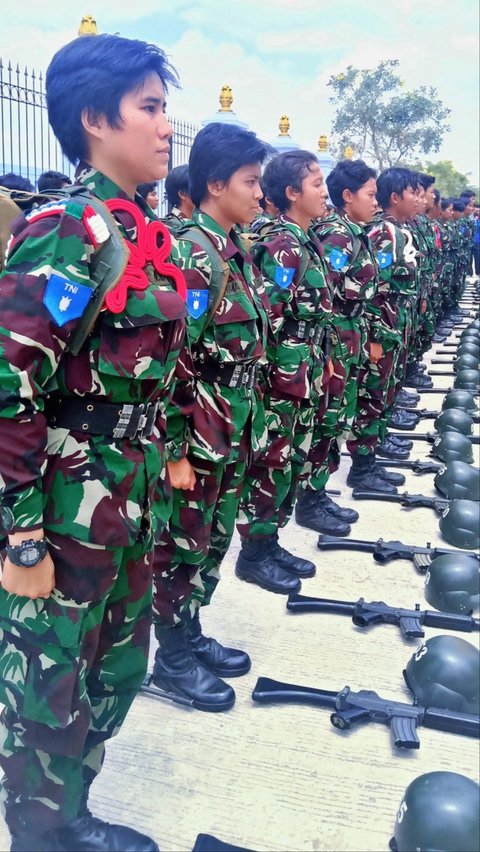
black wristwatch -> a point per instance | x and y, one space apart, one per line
28 553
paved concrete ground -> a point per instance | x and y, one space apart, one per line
279 778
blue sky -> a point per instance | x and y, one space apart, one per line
277 55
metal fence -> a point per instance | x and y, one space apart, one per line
27 144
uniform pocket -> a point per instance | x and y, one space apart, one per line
40 659
235 327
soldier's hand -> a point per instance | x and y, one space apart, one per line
36 582
423 306
376 352
182 474
330 368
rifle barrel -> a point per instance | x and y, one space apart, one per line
452 722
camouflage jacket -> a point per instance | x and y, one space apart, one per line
91 487
206 418
397 265
299 289
353 271
423 241
174 220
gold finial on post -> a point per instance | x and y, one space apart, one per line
88 26
284 125
323 143
349 152
226 99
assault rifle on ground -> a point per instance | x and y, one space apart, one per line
416 465
408 501
385 551
430 437
366 706
365 614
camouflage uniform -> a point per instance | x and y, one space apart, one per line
174 220
390 323
300 296
72 663
353 271
215 419
423 325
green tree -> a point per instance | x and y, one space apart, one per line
449 181
383 123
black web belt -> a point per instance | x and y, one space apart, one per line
230 374
352 308
101 418
303 330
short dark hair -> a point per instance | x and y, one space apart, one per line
446 202
287 169
348 174
144 188
436 195
218 151
425 180
175 182
12 181
458 205
467 193
395 179
52 180
94 73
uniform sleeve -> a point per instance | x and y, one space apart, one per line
279 261
44 290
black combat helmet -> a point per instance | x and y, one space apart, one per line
452 583
440 812
458 481
444 672
467 380
460 524
465 361
470 333
460 399
468 347
452 446
454 420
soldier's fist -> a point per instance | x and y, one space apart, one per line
182 474
36 582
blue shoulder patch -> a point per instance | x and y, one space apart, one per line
66 300
197 302
384 259
284 276
337 258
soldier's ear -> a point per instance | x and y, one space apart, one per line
92 122
216 187
347 196
291 194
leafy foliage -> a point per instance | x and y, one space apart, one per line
382 123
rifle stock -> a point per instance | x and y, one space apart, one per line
385 551
365 705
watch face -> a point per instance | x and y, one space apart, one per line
29 556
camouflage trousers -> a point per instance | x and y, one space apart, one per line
191 549
376 393
70 668
271 482
333 421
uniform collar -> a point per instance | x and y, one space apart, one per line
344 217
104 188
227 245
292 226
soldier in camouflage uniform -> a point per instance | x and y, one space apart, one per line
299 290
177 193
353 270
216 417
448 263
389 325
81 493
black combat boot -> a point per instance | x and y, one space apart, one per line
311 513
391 450
439 338
85 834
295 565
222 661
406 399
388 475
349 516
399 441
179 675
419 382
255 564
362 475
401 419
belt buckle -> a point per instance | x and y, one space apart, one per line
237 377
302 329
146 421
251 376
124 420
316 334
